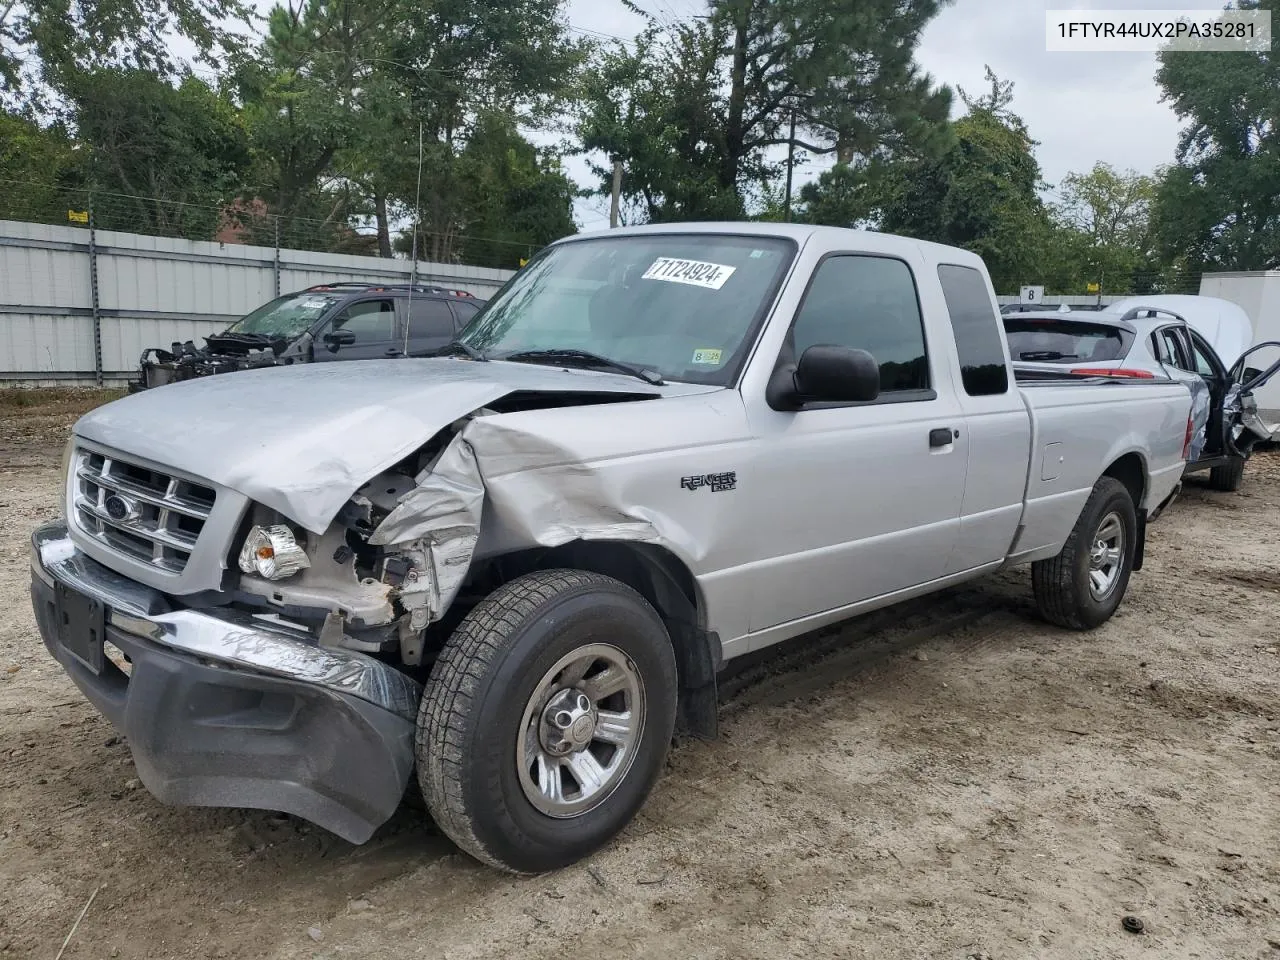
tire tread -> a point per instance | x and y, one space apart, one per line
1053 582
449 699
1229 477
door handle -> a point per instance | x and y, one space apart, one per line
942 436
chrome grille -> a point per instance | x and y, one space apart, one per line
141 513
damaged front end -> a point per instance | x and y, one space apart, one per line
222 353
392 561
1243 425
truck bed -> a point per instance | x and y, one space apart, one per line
1145 420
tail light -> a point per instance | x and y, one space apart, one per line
1114 372
1186 443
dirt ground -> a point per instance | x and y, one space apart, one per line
951 780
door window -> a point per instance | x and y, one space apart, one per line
1171 348
430 319
977 330
868 303
465 312
371 321
1204 365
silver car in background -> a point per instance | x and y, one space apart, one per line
1184 338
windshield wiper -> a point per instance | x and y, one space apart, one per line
586 358
1047 355
250 337
454 347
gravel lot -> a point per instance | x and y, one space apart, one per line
952 780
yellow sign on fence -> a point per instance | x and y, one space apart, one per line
1091 288
523 261
78 216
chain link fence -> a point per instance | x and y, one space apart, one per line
1137 283
252 223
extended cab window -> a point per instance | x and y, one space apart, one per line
977 330
868 303
372 321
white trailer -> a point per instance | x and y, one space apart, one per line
1258 293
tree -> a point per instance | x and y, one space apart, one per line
338 91
313 90
1104 219
1218 207
982 193
462 60
694 111
659 108
44 41
846 70
38 168
514 199
161 159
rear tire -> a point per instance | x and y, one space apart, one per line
1228 477
546 719
1083 585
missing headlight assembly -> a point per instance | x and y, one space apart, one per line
391 562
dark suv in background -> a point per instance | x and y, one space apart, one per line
330 321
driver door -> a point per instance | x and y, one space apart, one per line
374 331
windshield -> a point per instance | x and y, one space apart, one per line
288 316
1064 341
681 305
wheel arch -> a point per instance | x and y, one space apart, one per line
1131 470
666 582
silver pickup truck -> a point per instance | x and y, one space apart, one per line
517 569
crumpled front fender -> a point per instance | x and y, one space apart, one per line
524 490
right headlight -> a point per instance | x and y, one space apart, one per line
272 552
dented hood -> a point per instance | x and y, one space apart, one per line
302 439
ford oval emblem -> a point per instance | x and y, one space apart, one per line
118 507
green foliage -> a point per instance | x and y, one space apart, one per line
336 95
37 165
693 109
45 42
1104 230
660 109
514 199
169 156
982 193
1218 207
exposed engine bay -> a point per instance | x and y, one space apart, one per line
222 353
365 594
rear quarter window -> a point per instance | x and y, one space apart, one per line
977 330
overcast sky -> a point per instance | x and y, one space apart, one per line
1082 107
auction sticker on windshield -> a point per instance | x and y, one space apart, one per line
696 273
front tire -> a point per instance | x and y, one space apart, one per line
546 719
1083 585
1228 477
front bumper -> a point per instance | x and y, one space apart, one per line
223 709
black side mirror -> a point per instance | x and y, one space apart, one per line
339 338
826 373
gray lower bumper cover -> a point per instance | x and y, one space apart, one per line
221 710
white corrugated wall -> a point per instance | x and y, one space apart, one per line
155 290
